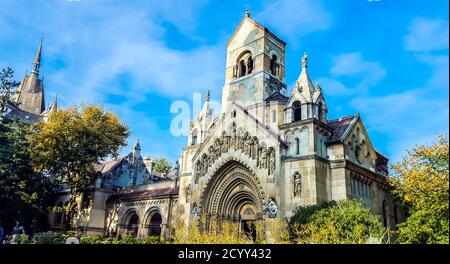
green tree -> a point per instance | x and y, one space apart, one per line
162 165
345 222
24 194
6 87
71 142
421 181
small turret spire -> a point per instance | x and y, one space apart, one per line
247 12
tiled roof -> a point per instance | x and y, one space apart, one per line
339 126
142 195
22 115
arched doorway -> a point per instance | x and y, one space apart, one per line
154 221
234 194
132 224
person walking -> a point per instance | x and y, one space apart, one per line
2 232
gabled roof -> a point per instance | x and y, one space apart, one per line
340 127
277 96
22 115
248 18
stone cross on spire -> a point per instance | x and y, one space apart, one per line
305 60
207 95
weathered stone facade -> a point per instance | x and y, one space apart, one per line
264 155
270 150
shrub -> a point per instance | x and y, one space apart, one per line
347 222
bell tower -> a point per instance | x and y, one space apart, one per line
255 67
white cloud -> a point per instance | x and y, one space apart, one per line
295 18
353 65
411 117
427 35
335 87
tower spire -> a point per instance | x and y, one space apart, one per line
37 60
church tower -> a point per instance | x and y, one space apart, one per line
30 94
255 66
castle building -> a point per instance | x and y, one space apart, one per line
268 151
265 154
28 101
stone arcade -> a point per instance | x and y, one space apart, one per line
265 154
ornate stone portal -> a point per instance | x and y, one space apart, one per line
233 194
250 146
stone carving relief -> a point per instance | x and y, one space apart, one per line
187 192
297 184
236 140
272 208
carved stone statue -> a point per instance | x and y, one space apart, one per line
271 161
188 191
176 169
297 184
272 208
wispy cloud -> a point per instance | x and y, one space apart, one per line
295 18
427 35
366 73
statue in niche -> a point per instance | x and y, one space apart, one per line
254 148
248 144
297 184
176 169
271 161
272 208
263 159
187 192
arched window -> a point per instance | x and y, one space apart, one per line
154 224
384 212
297 111
133 224
194 137
244 63
242 68
319 111
273 64
249 65
297 146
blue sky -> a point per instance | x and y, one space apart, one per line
387 60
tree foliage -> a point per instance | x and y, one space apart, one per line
24 194
7 84
162 165
421 181
73 140
342 222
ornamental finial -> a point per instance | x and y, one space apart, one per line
305 60
247 12
207 95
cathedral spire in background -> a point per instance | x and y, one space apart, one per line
37 60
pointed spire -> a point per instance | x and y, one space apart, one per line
37 60
137 145
54 107
304 84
